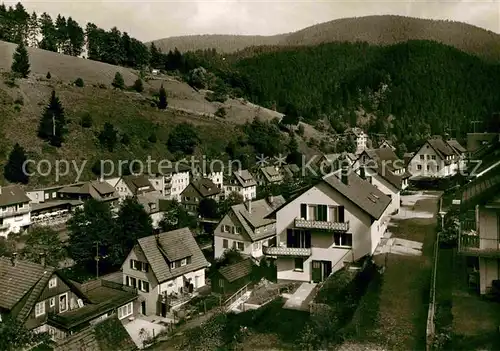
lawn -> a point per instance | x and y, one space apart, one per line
393 313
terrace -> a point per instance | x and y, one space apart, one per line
322 225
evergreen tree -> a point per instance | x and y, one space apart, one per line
138 86
13 170
53 123
162 103
21 61
108 136
75 37
33 30
156 56
118 82
49 33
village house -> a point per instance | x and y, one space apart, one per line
246 228
198 190
241 182
213 170
329 163
437 158
152 205
131 185
385 144
15 210
480 228
32 293
340 219
386 162
387 182
269 175
230 278
360 138
291 171
166 269
170 182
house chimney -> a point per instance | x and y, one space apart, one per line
249 205
42 259
13 259
344 175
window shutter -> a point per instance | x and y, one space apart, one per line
131 264
289 238
308 239
303 211
139 265
341 214
146 267
146 286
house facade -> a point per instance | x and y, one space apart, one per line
360 138
198 190
131 185
241 182
479 234
165 268
170 182
269 175
246 228
340 219
15 210
437 158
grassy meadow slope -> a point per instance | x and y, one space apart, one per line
131 113
379 30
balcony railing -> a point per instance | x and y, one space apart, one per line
471 243
12 213
286 251
322 225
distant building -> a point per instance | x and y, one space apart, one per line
15 210
170 182
246 229
229 279
198 190
241 182
131 185
360 138
269 175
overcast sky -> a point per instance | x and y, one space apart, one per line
148 20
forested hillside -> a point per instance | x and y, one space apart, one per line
420 87
378 30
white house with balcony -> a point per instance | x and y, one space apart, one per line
479 234
340 219
246 228
15 210
170 182
360 138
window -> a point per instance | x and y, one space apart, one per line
298 238
419 167
125 311
40 309
256 246
46 196
52 282
428 167
422 157
133 282
437 168
299 264
433 157
342 239
54 194
225 244
321 213
52 302
428 157
143 286
241 246
237 230
63 302
221 283
225 228
183 262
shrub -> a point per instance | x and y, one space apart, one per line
118 81
48 76
138 86
221 112
11 82
79 82
86 121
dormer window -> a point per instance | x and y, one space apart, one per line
52 282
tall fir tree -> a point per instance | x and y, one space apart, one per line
118 82
21 61
53 123
49 33
162 103
13 170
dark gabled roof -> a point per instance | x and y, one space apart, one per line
136 182
245 178
459 149
384 156
237 270
205 187
12 195
290 170
98 338
175 243
363 194
272 174
260 209
19 280
393 179
441 147
95 189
